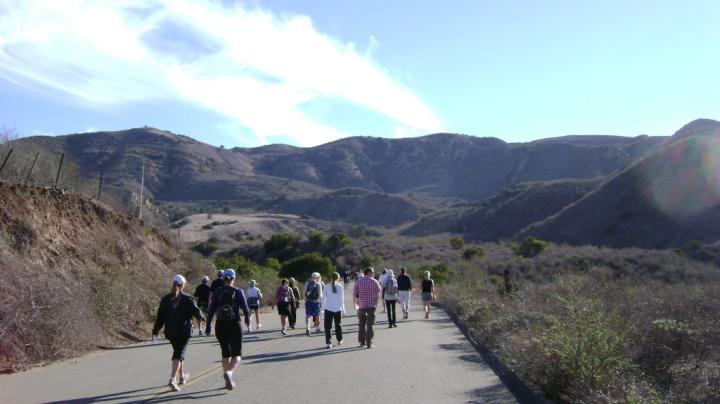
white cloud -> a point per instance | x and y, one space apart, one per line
246 64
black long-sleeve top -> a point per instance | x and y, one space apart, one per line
404 282
238 303
176 318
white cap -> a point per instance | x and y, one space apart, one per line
179 280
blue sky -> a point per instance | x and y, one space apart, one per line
257 72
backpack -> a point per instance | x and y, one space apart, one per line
391 287
311 291
226 303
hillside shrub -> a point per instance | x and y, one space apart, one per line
207 247
302 266
473 252
531 247
283 246
457 243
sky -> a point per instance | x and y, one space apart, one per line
249 73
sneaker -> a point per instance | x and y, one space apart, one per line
229 383
394 325
173 386
283 332
362 345
371 346
184 378
259 327
200 334
340 342
390 326
307 332
329 346
249 329
292 327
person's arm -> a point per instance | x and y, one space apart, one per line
196 312
341 291
160 318
355 288
243 305
323 299
211 312
379 296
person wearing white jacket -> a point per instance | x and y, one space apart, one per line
334 304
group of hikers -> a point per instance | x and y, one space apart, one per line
223 301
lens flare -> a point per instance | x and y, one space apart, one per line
684 179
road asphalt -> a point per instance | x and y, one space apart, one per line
420 361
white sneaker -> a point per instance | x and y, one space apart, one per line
340 342
249 328
329 346
173 386
184 378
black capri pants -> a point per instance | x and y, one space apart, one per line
179 345
229 335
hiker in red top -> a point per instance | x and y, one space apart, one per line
365 297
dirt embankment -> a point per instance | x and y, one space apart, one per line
76 275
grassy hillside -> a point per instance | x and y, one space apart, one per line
76 275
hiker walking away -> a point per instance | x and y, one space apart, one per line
428 293
334 303
292 319
391 296
225 305
284 299
313 298
175 314
404 284
202 296
382 279
217 283
365 298
254 296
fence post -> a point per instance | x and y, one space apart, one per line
57 177
100 186
6 159
31 168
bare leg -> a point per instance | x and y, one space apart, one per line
225 364
175 367
257 318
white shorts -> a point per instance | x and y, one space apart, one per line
404 298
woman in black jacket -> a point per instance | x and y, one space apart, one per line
175 313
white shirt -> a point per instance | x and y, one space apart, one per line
334 301
382 279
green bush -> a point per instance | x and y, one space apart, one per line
283 246
369 261
206 248
457 243
531 247
474 252
302 266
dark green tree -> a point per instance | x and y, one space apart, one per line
301 267
457 242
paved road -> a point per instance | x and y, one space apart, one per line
420 361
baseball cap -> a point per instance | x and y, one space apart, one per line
179 280
205 279
229 273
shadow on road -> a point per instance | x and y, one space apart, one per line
123 395
494 394
195 395
292 356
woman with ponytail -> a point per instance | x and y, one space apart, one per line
175 314
334 303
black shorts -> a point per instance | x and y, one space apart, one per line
229 335
284 308
203 307
179 345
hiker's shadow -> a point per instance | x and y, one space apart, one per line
123 395
195 395
272 357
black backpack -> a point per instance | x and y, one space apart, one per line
226 304
311 291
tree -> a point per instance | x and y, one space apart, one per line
369 261
336 243
457 242
301 267
316 240
283 246
8 134
440 273
530 247
473 252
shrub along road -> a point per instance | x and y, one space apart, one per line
420 361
